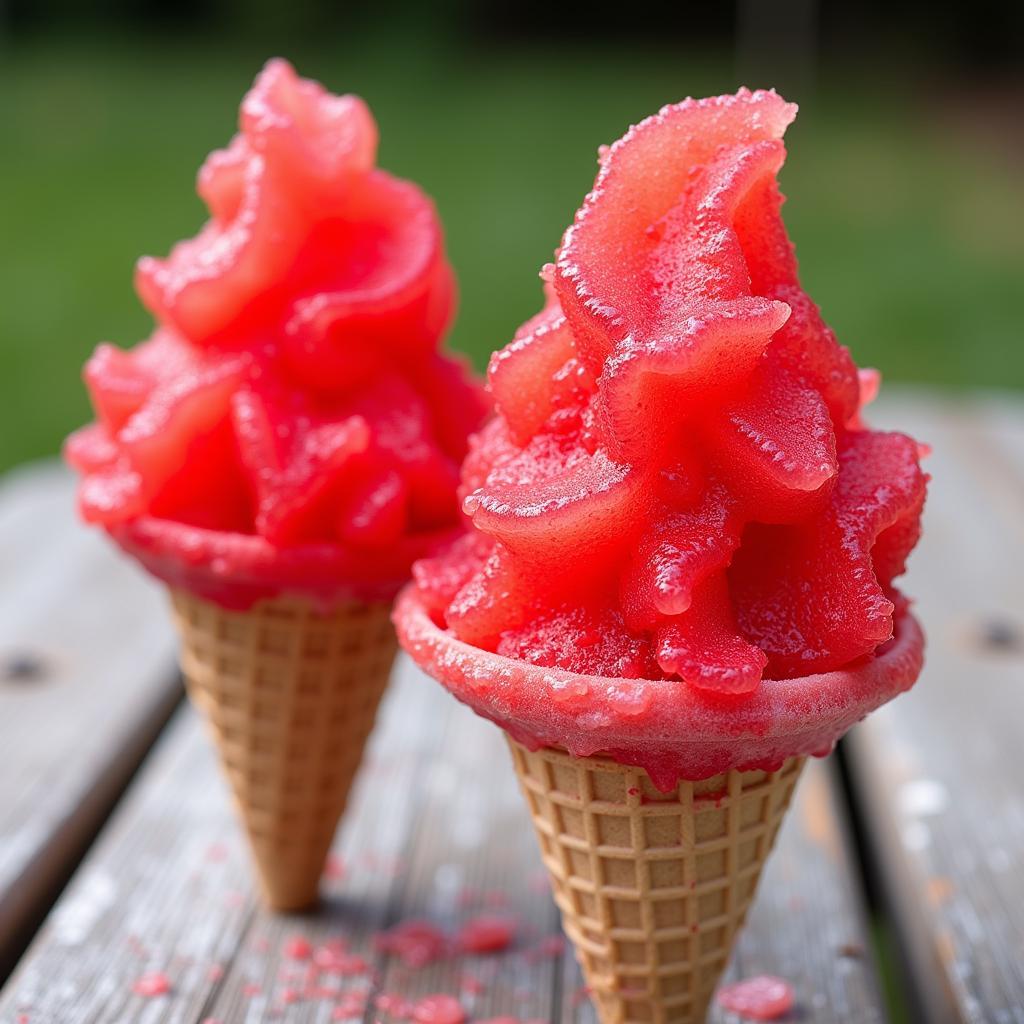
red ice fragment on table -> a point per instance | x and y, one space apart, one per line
153 983
298 947
334 868
438 1009
486 934
415 943
351 1004
760 998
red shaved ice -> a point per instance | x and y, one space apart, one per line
438 1009
486 934
761 998
685 534
290 426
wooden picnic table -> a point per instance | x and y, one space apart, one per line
894 892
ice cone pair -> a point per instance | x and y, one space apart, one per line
290 696
652 887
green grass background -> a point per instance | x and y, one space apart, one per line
908 220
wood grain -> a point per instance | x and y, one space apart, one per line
436 830
474 853
168 889
86 682
936 770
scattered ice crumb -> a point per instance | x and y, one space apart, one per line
298 947
154 983
486 934
761 998
351 1004
438 1009
334 868
416 943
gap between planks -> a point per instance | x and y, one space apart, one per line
77 712
167 888
935 772
435 817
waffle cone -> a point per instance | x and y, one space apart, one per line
652 886
290 696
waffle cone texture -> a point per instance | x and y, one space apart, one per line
290 696
652 887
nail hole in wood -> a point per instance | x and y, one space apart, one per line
1001 636
22 667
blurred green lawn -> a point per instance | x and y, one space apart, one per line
909 236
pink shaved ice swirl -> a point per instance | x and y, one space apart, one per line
678 484
290 426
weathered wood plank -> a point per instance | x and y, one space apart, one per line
936 770
86 682
474 855
372 848
807 924
168 889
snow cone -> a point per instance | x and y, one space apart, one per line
679 581
283 447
